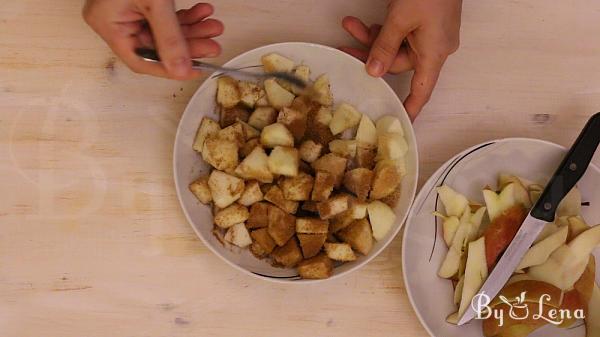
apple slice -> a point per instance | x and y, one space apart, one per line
451 264
366 133
498 203
566 264
571 204
539 253
454 202
449 227
576 226
548 230
381 217
459 290
453 318
476 273
521 193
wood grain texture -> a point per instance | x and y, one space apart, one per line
93 242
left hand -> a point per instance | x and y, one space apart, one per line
417 34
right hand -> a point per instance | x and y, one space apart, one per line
178 36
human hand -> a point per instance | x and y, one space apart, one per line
178 36
417 34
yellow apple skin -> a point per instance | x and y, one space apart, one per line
511 327
592 321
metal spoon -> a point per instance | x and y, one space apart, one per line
152 56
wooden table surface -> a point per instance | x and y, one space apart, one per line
92 239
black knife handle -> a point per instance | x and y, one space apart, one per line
569 172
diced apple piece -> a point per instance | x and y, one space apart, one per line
324 116
297 188
288 255
284 161
238 235
365 155
311 244
322 91
310 151
458 290
498 203
358 235
318 267
230 116
358 181
387 124
382 218
358 209
276 135
539 253
451 263
277 95
344 117
262 116
252 194
449 228
259 215
249 93
334 165
255 166
234 133
453 319
324 183
391 146
366 133
224 188
282 226
263 242
454 202
311 226
340 252
476 273
386 179
228 93
274 62
343 147
231 215
566 264
333 206
295 121
576 226
249 131
303 73
201 190
221 154
275 196
208 128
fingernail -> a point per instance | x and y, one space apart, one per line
180 66
375 67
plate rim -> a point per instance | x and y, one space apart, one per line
368 259
430 181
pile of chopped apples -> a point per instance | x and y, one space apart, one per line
296 180
560 262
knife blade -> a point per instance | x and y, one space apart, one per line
570 171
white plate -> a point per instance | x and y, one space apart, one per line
468 172
350 83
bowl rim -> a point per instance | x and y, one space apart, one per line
410 132
419 196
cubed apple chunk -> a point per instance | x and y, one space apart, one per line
297 188
358 181
225 189
208 128
333 206
276 134
238 235
288 255
252 194
201 190
340 252
344 117
322 91
324 183
311 244
228 93
221 154
249 93
282 226
334 165
255 166
274 62
343 147
262 116
284 161
382 219
385 179
263 243
311 226
310 150
389 124
358 235
231 215
318 267
295 121
277 95
366 133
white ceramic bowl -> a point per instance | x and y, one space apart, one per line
350 83
468 172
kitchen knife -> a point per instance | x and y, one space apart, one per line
565 178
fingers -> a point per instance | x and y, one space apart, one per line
169 39
357 29
203 29
196 13
200 48
386 45
422 85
